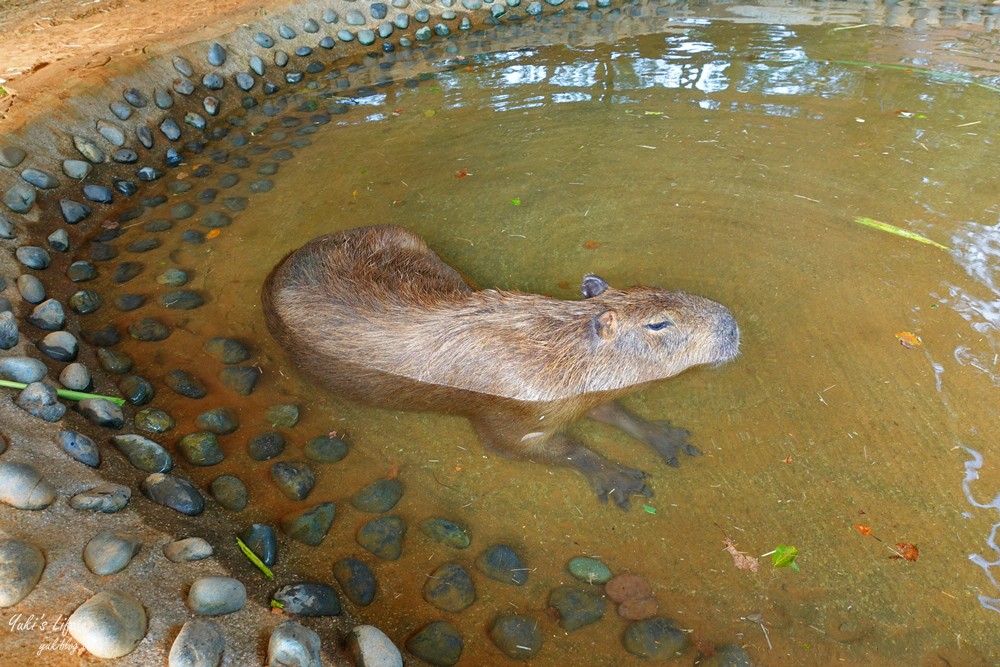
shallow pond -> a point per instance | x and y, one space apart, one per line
729 159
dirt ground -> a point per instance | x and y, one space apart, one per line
46 42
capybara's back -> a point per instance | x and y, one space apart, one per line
375 315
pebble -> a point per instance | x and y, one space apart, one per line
60 345
40 179
230 492
172 277
227 350
81 271
188 549
221 421
446 532
109 625
383 536
107 498
89 150
101 412
379 496
372 648
153 420
182 300
655 639
80 447
12 156
727 655
77 169
148 330
518 637
628 587
21 565
638 609
450 588
311 525
137 390
185 384
48 315
117 363
263 541
21 369
174 492
326 449
30 288
294 478
293 645
20 198
577 608
241 379
308 598
58 240
501 562
143 453
437 643
85 301
107 553
201 449
285 414
198 644
8 330
105 336
41 400
215 596
356 579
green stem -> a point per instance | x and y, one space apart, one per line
66 393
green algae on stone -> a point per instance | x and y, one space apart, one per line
200 449
446 532
589 570
143 453
285 414
326 449
230 492
153 420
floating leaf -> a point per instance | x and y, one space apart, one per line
649 509
784 556
906 551
212 234
909 340
864 530
591 245
898 231
515 202
461 173
741 560
430 113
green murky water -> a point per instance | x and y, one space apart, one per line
726 159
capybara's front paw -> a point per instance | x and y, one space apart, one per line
668 440
620 484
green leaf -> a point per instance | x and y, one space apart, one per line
784 556
649 509
515 202
893 229
66 393
253 559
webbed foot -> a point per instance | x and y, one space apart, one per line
668 440
619 484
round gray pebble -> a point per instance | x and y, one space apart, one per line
230 492
446 532
372 648
107 553
293 644
21 369
109 625
309 526
143 453
153 420
80 447
356 579
200 449
215 596
294 478
655 639
107 498
501 562
221 421
199 644
518 637
23 487
577 608
450 588
174 492
326 449
41 400
75 376
383 536
379 496
308 598
21 565
190 548
101 412
437 643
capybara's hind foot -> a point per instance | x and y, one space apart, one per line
668 440
608 479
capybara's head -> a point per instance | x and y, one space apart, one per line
659 332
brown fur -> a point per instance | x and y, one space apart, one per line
375 315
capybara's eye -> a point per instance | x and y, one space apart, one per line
659 326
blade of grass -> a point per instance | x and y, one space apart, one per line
254 559
66 393
893 229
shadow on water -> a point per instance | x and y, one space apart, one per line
726 158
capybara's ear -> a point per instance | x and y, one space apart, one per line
606 324
592 285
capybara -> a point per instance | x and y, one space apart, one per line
375 315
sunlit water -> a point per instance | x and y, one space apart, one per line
728 160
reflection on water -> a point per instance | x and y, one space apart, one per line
729 160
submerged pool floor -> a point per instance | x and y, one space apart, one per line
728 160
